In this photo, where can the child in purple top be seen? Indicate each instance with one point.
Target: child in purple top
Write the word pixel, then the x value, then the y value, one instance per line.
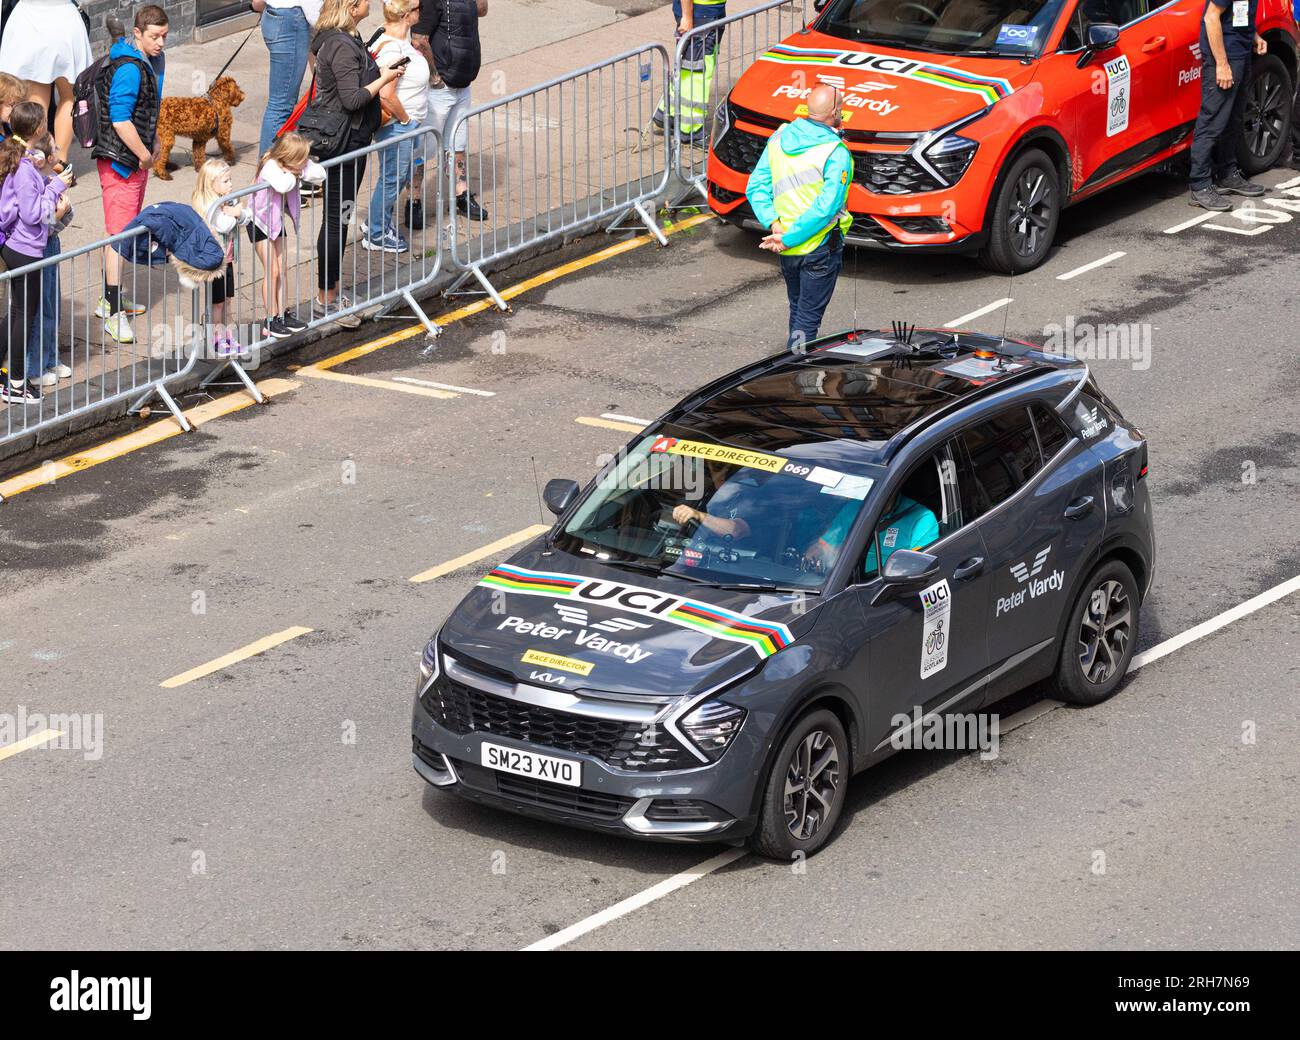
pixel 29 204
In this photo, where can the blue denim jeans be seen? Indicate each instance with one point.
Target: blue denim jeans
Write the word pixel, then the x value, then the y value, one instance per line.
pixel 43 336
pixel 286 33
pixel 394 171
pixel 809 283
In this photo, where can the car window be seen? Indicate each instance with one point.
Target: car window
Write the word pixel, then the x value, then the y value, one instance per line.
pixel 1003 455
pixel 1052 434
pixel 1102 12
pixel 925 508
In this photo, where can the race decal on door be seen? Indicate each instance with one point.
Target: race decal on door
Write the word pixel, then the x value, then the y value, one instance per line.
pixel 936 601
pixel 1117 95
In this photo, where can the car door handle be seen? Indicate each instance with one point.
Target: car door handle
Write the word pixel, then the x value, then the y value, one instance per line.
pixel 1079 508
pixel 969 569
pixel 1156 43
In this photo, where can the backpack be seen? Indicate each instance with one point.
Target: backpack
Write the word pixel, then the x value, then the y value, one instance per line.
pixel 85 102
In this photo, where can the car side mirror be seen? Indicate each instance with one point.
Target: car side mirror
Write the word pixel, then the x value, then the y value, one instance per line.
pixel 559 494
pixel 1101 37
pixel 906 570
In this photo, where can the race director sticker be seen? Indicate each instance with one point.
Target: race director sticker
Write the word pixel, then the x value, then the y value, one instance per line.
pixel 936 601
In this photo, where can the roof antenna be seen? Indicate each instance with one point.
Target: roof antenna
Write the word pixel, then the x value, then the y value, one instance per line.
pixel 903 333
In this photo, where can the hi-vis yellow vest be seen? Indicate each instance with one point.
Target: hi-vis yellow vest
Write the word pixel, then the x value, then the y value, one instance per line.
pixel 797 180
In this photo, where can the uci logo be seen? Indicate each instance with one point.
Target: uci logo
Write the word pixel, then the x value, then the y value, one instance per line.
pixel 933 597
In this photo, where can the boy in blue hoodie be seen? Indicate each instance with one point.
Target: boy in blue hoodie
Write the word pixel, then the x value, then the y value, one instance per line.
pixel 798 190
pixel 126 144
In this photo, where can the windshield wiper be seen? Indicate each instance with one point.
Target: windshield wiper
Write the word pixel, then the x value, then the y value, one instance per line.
pixel 757 586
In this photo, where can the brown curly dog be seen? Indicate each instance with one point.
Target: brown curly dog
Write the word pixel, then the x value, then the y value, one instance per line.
pixel 200 119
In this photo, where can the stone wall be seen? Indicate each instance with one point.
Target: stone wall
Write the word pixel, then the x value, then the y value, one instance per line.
pixel 181 16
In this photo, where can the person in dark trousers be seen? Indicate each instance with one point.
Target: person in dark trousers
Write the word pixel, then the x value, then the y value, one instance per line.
pixel 447 36
pixel 1228 39
pixel 798 190
pixel 347 80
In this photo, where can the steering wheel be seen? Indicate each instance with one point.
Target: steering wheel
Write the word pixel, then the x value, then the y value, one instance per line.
pixel 666 525
pixel 913 6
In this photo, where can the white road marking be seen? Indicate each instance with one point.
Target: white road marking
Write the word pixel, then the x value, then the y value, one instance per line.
pixel 1293 182
pixel 1202 630
pixel 624 418
pixel 978 314
pixel 444 386
pixel 1021 718
pixel 1207 215
pixel 672 884
pixel 1089 267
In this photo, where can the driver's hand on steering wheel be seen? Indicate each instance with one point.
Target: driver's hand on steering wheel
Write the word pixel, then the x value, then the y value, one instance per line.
pixel 684 514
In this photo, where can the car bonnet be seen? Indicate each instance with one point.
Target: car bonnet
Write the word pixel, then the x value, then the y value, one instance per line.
pixel 551 618
pixel 886 89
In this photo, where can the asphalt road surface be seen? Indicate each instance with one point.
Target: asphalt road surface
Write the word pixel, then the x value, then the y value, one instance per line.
pixel 271 802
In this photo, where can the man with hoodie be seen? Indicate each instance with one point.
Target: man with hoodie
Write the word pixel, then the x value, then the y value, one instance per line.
pixel 126 143
pixel 798 191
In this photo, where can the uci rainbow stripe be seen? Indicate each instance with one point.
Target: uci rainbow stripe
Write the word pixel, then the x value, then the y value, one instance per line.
pixel 990 88
pixel 765 637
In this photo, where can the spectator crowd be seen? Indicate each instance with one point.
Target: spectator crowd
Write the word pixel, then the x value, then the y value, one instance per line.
pixel 417 70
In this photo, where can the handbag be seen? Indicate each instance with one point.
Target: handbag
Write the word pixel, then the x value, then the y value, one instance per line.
pixel 326 131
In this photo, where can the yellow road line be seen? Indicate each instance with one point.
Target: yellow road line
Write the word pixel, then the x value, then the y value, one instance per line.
pixel 35 740
pixel 154 433
pixel 235 656
pixel 378 384
pixel 478 306
pixel 478 554
pixel 609 424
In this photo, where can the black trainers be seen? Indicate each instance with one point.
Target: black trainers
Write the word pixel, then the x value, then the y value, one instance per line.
pixel 1208 198
pixel 292 322
pixel 1236 184
pixel 467 206
pixel 20 393
pixel 276 329
pixel 413 215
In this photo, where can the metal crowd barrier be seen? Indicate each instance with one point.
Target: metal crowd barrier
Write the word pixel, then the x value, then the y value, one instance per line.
pixel 708 61
pixel 369 279
pixel 556 159
pixel 68 331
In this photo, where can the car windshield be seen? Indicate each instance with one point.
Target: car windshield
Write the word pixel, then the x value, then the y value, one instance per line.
pixel 720 514
pixel 989 28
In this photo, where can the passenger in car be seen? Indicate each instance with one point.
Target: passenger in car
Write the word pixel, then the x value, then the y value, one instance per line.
pixel 907 525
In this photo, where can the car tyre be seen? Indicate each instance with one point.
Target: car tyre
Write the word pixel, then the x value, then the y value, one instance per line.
pixel 1266 123
pixel 1099 636
pixel 1024 215
pixel 800 821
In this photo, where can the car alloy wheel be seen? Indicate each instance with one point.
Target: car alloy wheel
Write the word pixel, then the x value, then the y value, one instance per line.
pixel 1265 116
pixel 811 781
pixel 1030 214
pixel 1104 632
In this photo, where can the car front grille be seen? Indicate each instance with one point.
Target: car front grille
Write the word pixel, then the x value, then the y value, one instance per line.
pixel 892 173
pixel 462 709
pixel 573 801
pixel 740 150
pixel 723 195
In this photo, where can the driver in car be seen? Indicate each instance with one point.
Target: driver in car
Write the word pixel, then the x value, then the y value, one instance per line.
pixel 724 520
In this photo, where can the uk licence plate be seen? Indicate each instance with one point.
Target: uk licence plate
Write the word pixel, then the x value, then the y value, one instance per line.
pixel 530 764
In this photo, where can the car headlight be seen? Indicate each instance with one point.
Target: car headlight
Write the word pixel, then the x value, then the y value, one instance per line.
pixel 429 666
pixel 712 726
pixel 950 156
pixel 721 120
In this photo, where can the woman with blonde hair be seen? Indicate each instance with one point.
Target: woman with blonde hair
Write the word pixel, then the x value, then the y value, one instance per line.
pixel 12 91
pixel 406 102
pixel 348 83
pixel 284 166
